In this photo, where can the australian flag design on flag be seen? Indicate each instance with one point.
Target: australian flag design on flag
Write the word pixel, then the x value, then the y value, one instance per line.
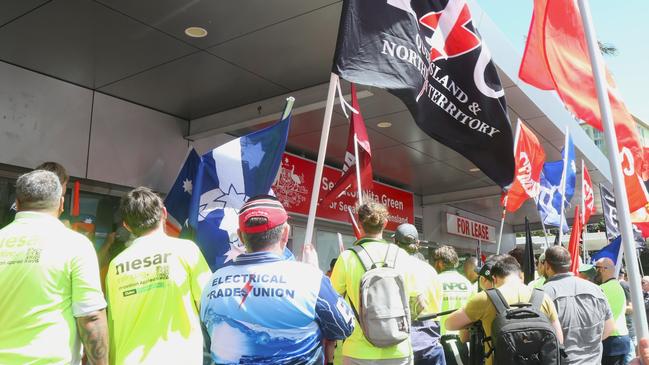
pixel 178 200
pixel 549 199
pixel 228 176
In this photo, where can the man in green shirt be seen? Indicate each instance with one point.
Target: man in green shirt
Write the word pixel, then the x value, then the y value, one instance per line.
pixel 154 288
pixel 456 289
pixel 540 271
pixel 49 275
pixel 618 344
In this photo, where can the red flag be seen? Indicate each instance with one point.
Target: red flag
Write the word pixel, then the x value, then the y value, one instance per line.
pixel 556 58
pixel 172 229
pixel 573 246
pixel 587 195
pixel 348 179
pixel 530 156
pixel 75 199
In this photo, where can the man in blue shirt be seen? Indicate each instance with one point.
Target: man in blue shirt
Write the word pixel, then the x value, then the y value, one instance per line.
pixel 264 309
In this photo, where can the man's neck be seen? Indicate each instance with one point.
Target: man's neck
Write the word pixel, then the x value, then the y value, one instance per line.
pixel 274 249
pixel 378 236
pixel 158 230
pixel 51 213
pixel 550 274
pixel 512 279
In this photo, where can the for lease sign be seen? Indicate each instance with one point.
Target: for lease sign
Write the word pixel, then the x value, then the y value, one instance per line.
pixel 465 227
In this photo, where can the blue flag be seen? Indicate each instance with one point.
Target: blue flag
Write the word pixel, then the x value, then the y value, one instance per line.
pixel 178 200
pixel 549 198
pixel 612 251
pixel 228 176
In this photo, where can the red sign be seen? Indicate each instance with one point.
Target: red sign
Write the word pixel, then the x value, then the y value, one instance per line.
pixel 295 183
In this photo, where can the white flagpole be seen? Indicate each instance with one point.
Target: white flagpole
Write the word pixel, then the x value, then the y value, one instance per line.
pixel 624 216
pixel 502 219
pixel 545 233
pixel 322 152
pixel 583 212
pixel 564 176
pixel 288 107
pixel 359 189
pixel 502 225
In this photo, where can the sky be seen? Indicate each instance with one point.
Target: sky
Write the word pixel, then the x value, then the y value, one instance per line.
pixel 622 23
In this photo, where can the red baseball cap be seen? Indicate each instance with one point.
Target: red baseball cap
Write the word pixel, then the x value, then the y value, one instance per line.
pixel 265 206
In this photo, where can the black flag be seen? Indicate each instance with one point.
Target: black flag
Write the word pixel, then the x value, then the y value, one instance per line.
pixel 610 217
pixel 430 55
pixel 528 255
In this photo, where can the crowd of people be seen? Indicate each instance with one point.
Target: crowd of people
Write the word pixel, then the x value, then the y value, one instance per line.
pixel 381 302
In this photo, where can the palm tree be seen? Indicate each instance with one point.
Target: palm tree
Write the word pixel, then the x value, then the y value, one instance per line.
pixel 607 49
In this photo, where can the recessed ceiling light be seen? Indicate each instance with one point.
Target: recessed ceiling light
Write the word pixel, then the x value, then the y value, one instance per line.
pixel 384 125
pixel 196 32
pixel 474 169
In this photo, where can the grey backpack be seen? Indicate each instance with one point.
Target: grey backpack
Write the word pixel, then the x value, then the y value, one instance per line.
pixel 383 308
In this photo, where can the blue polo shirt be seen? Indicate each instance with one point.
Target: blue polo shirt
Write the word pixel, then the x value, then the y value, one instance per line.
pixel 264 309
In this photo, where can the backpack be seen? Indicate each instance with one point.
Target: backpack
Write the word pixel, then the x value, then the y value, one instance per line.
pixel 383 308
pixel 522 334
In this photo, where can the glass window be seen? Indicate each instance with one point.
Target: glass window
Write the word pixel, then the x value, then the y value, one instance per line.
pixel 328 248
pixel 297 241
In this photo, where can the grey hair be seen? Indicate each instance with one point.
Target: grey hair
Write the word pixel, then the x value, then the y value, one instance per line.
pixel 38 190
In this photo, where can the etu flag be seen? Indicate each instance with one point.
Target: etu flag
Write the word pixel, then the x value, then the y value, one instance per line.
pixel 575 238
pixel 587 194
pixel 550 198
pixel 556 58
pixel 356 141
pixel 227 177
pixel 530 157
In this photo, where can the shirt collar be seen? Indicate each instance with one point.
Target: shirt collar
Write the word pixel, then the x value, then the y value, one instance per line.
pixel 559 277
pixel 158 233
pixel 36 216
pixel 256 258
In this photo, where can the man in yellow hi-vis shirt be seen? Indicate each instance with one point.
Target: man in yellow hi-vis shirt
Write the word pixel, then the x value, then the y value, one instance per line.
pixel 51 297
pixel 456 291
pixel 154 288
pixel 425 334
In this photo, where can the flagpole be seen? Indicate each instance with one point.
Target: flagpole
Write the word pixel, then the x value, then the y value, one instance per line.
pixel 288 107
pixel 502 225
pixel 545 233
pixel 624 216
pixel 359 189
pixel 322 151
pixel 564 176
pixel 502 219
pixel 583 209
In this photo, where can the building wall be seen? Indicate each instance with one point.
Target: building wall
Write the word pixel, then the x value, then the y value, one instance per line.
pixel 95 136
pixel 434 227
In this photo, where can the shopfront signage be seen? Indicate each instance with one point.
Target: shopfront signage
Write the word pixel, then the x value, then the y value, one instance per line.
pixel 295 183
pixel 465 227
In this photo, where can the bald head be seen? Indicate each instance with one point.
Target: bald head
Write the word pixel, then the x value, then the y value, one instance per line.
pixel 605 269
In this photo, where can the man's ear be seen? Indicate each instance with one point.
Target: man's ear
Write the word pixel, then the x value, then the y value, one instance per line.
pixel 286 233
pixel 240 236
pixel 17 205
pixel 164 215
pixel 61 205
pixel 127 227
